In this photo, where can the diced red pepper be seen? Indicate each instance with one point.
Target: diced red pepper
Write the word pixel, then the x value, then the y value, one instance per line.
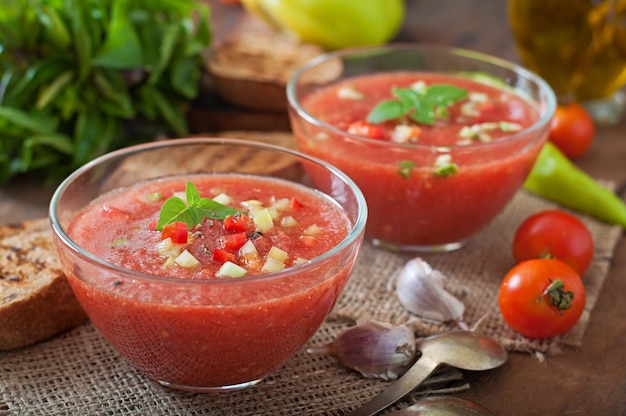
pixel 237 223
pixel 221 255
pixel 295 203
pixel 176 231
pixel 233 242
pixel 363 128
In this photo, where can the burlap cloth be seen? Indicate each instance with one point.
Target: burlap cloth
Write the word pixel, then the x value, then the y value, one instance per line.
pixel 77 373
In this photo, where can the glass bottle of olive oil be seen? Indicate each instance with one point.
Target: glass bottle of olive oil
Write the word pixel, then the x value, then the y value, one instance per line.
pixel 577 46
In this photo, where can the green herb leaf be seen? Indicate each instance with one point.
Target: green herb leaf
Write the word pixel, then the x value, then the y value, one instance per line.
pixel 422 106
pixel 102 73
pixel 194 211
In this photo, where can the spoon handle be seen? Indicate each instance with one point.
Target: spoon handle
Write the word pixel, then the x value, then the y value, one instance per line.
pixel 409 381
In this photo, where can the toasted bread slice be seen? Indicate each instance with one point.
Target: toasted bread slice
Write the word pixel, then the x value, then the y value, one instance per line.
pixel 36 301
pixel 166 161
pixel 252 66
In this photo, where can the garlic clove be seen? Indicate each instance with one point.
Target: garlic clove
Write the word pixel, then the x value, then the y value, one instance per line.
pixel 420 289
pixel 375 349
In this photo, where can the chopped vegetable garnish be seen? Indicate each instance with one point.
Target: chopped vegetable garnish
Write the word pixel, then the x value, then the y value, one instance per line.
pixel 230 269
pixel 192 212
pixel 176 231
pixel 421 106
pixel 263 220
pixel 405 167
pixel 444 166
pixel 349 93
pixel 122 241
pixel 187 260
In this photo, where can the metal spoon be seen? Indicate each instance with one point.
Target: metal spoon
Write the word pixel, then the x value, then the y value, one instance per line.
pixel 443 406
pixel 462 349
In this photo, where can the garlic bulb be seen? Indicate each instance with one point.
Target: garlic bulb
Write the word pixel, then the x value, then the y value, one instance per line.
pixel 420 289
pixel 375 349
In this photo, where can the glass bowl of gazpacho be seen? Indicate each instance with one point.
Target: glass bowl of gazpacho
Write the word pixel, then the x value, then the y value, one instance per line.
pixel 439 139
pixel 207 263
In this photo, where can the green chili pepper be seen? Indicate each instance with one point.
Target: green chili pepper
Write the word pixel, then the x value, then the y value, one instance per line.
pixel 556 178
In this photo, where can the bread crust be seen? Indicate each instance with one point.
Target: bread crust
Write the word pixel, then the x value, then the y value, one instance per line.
pixel 36 301
pixel 251 67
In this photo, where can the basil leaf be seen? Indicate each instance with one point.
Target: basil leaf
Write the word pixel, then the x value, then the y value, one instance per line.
pixel 122 49
pixel 192 194
pixel 33 122
pixel 79 69
pixel 214 210
pixel 386 110
pixel 174 209
pixel 421 106
pixel 194 211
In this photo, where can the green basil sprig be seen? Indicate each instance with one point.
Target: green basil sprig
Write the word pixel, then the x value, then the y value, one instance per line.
pixel 79 78
pixel 421 106
pixel 193 211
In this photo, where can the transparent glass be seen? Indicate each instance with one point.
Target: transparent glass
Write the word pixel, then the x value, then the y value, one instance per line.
pixel 579 49
pixel 206 335
pixel 420 212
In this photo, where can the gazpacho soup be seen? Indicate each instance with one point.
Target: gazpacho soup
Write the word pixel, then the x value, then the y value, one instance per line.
pixel 233 294
pixel 437 156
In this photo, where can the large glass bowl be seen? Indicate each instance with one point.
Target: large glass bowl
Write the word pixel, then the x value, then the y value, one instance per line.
pixel 205 334
pixel 409 207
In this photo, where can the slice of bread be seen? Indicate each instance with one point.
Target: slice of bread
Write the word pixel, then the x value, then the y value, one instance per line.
pixel 166 161
pixel 36 301
pixel 251 67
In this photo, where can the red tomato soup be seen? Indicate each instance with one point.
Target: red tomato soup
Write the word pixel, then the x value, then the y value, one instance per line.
pixel 199 323
pixel 425 184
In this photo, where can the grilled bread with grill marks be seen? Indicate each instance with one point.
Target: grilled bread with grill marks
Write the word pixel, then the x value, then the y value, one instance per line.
pixel 36 301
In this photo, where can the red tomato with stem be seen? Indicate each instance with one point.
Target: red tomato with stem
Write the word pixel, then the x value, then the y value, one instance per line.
pixel 572 130
pixel 554 234
pixel 541 298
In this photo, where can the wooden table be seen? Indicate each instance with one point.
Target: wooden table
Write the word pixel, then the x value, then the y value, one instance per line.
pixel 590 380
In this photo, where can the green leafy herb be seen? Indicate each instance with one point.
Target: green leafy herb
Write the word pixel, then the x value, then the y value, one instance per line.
pixel 422 105
pixel 194 211
pixel 80 78
pixel 405 167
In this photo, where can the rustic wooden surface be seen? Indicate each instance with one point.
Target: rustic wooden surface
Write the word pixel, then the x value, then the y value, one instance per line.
pixel 590 380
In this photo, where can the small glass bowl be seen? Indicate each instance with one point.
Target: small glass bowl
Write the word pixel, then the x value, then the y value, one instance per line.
pixel 421 212
pixel 205 335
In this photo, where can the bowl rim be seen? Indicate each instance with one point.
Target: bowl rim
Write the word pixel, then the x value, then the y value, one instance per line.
pixel 545 114
pixel 355 233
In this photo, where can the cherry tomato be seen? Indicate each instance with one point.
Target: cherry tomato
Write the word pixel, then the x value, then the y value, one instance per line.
pixel 572 130
pixel 554 234
pixel 541 298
